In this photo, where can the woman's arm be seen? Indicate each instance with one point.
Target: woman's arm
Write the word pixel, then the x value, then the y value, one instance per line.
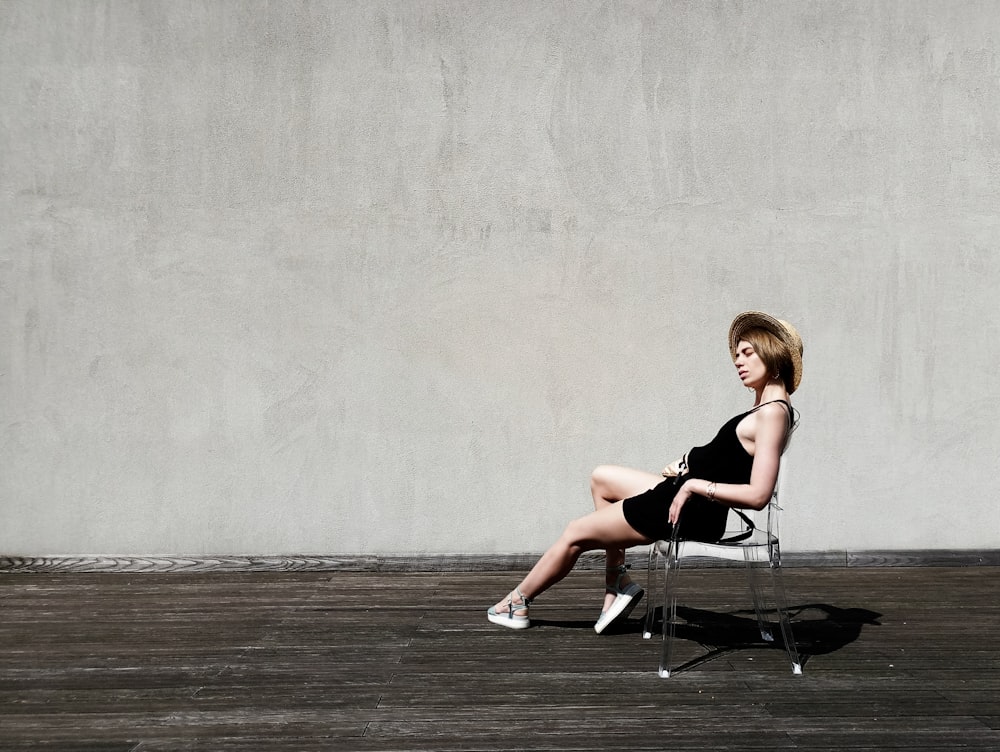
pixel 772 425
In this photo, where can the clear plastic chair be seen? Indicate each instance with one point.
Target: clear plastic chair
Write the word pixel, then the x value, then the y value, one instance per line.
pixel 754 540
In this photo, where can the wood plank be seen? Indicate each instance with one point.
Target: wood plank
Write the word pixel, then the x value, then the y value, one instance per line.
pixel 308 660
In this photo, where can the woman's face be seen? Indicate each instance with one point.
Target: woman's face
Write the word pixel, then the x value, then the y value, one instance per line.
pixel 751 369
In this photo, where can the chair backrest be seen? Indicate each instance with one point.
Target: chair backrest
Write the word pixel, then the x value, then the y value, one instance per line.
pixel 766 520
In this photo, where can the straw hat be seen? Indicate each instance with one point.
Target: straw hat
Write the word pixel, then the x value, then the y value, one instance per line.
pixel 784 331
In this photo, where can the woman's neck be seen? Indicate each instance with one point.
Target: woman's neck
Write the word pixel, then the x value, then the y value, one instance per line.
pixel 773 390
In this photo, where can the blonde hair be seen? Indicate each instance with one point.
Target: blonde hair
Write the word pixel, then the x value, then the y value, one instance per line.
pixel 773 354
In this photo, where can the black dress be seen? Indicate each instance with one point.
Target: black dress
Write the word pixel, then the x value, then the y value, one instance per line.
pixel 722 460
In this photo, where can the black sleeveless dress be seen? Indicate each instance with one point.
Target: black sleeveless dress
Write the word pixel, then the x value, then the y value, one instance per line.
pixel 722 460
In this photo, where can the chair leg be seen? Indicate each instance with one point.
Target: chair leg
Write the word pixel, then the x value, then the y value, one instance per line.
pixel 781 602
pixel 671 571
pixel 753 579
pixel 651 570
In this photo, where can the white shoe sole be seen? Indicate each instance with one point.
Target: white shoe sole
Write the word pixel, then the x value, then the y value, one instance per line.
pixel 620 609
pixel 517 622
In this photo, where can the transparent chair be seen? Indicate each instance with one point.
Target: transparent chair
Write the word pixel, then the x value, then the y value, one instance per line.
pixel 752 540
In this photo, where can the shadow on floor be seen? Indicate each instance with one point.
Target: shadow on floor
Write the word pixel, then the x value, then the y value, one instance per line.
pixel 819 629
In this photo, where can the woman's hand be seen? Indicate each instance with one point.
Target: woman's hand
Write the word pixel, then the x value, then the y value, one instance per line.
pixel 675 468
pixel 680 498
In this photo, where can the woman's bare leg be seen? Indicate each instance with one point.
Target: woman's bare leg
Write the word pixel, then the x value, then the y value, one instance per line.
pixel 610 484
pixel 605 528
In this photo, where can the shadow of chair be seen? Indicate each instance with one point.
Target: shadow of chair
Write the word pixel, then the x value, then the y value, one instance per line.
pixel 820 629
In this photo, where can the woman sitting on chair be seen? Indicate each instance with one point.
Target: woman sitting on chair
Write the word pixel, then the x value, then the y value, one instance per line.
pixel 738 468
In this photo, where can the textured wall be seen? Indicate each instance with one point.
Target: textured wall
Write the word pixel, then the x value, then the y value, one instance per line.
pixel 385 277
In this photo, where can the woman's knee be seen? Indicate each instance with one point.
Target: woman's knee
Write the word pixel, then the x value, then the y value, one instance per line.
pixel 613 482
pixel 580 535
pixel 570 537
pixel 601 479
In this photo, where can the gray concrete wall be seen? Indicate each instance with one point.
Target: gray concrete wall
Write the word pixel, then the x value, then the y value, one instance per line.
pixel 393 276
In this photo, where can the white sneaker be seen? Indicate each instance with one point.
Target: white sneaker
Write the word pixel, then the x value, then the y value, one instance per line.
pixel 626 599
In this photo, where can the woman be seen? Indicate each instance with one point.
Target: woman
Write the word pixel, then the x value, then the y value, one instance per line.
pixel 738 468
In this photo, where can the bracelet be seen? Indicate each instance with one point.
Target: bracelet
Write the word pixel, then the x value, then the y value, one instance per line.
pixel 711 491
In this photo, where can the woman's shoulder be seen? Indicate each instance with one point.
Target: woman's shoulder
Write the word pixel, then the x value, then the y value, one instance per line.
pixel 777 412
pixel 780 405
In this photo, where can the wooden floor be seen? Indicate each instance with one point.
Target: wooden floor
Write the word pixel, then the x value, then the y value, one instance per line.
pixel 903 658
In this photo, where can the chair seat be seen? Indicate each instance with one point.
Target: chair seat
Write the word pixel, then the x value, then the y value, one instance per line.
pixel 741 551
